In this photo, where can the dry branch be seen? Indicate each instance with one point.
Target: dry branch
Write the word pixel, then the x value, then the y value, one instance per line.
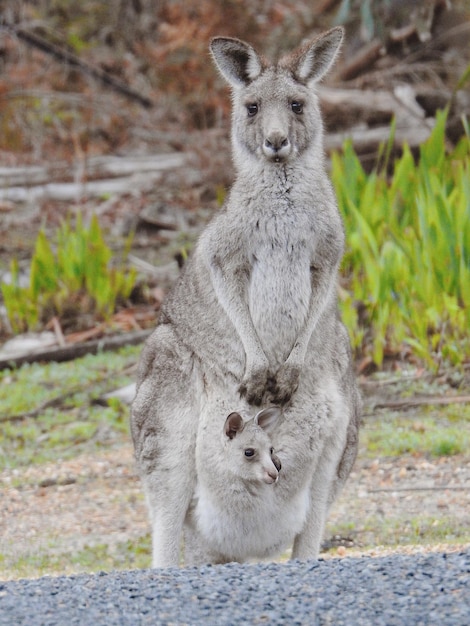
pixel 65 192
pixel 367 107
pixel 408 403
pixel 61 54
pixel 401 103
pixel 53 402
pixel 362 60
pixel 437 488
pixel 59 401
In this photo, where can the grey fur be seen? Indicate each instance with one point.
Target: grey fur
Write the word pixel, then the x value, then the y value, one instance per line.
pixel 253 319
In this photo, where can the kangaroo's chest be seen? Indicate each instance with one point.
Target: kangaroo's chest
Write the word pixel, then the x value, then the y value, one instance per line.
pixel 279 289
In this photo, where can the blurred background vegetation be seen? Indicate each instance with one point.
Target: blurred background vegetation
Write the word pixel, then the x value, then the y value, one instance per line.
pixel 97 78
pixel 159 48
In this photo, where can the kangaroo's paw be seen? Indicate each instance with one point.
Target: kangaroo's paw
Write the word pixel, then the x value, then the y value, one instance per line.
pixel 254 386
pixel 285 384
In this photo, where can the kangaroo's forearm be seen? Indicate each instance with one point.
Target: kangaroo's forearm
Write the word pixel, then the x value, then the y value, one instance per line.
pixel 231 294
pixel 322 291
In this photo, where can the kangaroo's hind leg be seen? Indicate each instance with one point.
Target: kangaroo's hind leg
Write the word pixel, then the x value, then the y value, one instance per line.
pixel 164 425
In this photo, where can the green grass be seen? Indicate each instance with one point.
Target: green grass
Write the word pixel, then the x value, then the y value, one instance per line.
pixel 74 424
pixel 425 430
pixel 395 435
pixel 422 530
pixel 125 555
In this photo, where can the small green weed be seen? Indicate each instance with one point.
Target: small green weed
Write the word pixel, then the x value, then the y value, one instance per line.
pixel 407 266
pixel 77 278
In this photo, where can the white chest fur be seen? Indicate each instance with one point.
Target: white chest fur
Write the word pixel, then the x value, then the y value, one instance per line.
pixel 280 281
pixel 279 296
pixel 244 524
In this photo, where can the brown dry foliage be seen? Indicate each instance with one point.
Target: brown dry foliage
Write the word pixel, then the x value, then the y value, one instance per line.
pixel 160 49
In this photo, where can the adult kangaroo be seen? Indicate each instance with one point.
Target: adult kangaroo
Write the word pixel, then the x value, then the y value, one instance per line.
pixel 253 319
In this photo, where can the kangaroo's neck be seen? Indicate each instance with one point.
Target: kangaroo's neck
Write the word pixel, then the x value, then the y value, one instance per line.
pixel 281 178
pixel 276 182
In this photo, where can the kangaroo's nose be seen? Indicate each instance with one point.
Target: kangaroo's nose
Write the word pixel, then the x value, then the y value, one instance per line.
pixel 276 141
pixel 276 146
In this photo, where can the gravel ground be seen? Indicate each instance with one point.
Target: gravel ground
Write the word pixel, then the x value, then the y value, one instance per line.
pixel 429 589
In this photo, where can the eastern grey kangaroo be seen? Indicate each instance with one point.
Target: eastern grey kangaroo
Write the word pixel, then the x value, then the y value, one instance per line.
pixel 253 318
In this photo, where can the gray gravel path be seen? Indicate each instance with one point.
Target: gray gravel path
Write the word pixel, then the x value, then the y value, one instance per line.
pixel 427 589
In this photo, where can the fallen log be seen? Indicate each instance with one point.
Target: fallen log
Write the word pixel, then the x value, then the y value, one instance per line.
pixel 69 352
pixel 364 117
pixel 368 139
pixel 366 105
pixel 93 167
pixel 73 192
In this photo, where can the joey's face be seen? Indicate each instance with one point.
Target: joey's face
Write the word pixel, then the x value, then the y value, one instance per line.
pixel 259 463
pixel 248 452
pixel 275 118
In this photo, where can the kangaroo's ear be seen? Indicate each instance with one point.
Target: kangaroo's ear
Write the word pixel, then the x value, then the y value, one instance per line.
pixel 311 62
pixel 233 424
pixel 267 418
pixel 236 60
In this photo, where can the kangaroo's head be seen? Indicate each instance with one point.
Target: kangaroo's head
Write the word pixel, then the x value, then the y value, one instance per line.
pixel 276 116
pixel 249 451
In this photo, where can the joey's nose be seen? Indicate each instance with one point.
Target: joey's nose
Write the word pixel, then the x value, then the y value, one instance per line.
pixel 271 476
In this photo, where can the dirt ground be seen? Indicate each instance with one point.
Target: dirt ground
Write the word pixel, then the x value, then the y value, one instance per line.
pixel 95 500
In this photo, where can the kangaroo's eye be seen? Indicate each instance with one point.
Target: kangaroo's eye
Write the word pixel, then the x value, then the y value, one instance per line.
pixel 249 452
pixel 297 107
pixel 271 451
pixel 252 109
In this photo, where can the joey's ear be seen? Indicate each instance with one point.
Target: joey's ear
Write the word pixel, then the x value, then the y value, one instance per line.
pixel 236 60
pixel 233 424
pixel 267 418
pixel 311 62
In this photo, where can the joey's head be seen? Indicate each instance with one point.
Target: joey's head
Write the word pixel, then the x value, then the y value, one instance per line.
pixel 248 448
pixel 276 117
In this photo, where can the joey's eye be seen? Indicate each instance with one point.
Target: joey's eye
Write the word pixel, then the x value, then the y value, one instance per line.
pixel 252 109
pixel 249 452
pixel 271 451
pixel 297 107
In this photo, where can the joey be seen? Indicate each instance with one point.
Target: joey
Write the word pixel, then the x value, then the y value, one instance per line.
pixel 233 514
